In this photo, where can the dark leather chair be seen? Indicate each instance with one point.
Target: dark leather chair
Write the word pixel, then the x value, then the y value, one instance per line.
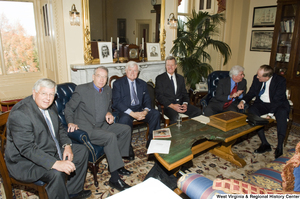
pixel 7 180
pixel 212 82
pixel 64 93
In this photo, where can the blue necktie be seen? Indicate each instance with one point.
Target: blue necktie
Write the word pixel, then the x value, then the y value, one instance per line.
pixel 134 98
pixel 173 84
pixel 262 90
pixel 52 134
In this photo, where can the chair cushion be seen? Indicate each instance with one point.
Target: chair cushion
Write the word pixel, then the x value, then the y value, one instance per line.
pixel 39 183
pixel 231 186
pixel 270 176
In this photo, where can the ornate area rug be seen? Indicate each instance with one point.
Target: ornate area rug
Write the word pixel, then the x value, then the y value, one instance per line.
pixel 205 163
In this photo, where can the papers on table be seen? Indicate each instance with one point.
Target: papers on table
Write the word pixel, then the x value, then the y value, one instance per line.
pixel 159 146
pixel 203 119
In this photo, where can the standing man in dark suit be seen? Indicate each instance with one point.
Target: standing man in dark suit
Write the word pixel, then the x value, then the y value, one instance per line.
pixel 270 92
pixel 38 147
pixel 171 93
pixel 229 93
pixel 90 110
pixel 131 99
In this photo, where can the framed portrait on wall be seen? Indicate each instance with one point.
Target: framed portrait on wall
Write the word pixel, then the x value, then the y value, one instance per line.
pixel 153 51
pixel 261 40
pixel 105 52
pixel 121 28
pixel 264 16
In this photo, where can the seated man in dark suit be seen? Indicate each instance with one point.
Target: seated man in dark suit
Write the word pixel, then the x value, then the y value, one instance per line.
pixel 131 99
pixel 90 110
pixel 270 92
pixel 38 147
pixel 171 92
pixel 229 92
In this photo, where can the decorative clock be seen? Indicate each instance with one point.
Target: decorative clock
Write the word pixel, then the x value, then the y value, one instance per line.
pixel 133 52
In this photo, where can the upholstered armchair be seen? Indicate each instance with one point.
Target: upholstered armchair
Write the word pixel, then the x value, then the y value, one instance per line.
pixel 212 82
pixel 64 93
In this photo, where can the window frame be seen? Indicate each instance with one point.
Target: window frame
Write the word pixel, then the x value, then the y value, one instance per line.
pixel 40 46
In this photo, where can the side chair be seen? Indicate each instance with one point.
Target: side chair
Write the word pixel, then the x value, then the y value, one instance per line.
pixel 212 83
pixel 96 153
pixel 6 106
pixel 7 179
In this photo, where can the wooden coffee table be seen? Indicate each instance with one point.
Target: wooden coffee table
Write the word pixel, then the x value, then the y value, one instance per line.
pixel 183 138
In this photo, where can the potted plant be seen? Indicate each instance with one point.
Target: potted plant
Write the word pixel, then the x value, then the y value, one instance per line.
pixel 193 39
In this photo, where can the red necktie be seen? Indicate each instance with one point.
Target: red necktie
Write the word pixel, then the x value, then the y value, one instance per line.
pixel 100 90
pixel 234 90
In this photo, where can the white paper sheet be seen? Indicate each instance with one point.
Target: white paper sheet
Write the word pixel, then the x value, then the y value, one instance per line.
pixel 159 146
pixel 203 119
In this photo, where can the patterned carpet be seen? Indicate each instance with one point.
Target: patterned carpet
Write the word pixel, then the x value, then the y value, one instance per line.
pixel 204 163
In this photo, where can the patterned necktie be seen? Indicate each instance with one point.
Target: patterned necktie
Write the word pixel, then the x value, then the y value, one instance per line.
pixel 52 134
pixel 173 84
pixel 100 90
pixel 262 90
pixel 134 98
pixel 234 90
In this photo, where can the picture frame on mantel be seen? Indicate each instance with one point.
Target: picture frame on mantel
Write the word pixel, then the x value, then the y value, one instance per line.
pixel 261 40
pixel 153 52
pixel 105 52
pixel 264 16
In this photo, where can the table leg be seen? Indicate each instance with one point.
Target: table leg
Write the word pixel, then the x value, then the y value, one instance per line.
pixel 224 151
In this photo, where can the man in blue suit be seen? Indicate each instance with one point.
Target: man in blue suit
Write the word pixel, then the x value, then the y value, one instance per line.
pixel 132 100
pixel 269 89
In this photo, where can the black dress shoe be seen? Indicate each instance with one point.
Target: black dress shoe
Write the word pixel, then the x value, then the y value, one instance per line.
pixel 120 185
pixel 263 148
pixel 278 153
pixel 81 195
pixel 124 171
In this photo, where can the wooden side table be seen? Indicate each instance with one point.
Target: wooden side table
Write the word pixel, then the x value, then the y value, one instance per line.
pixel 195 98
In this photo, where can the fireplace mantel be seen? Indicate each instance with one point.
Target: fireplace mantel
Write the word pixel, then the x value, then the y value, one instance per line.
pixel 82 73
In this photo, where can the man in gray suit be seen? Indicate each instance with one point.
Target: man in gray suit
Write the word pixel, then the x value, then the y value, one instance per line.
pixel 89 109
pixel 229 93
pixel 38 147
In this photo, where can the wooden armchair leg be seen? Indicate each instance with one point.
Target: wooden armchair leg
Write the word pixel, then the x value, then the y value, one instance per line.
pixel 94 169
pixel 8 190
pixel 42 193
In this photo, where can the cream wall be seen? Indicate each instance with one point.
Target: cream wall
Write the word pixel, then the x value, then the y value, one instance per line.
pixel 73 35
pixel 239 15
pixel 254 59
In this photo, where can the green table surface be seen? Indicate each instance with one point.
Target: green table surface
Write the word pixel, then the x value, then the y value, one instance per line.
pixel 191 131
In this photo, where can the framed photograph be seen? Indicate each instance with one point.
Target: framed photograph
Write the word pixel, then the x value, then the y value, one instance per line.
pixel 153 51
pixel 264 16
pixel 105 52
pixel 261 40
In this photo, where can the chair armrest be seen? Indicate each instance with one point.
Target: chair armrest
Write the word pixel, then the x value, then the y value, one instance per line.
pixel 204 101
pixel 81 137
pixel 197 186
pixel 78 135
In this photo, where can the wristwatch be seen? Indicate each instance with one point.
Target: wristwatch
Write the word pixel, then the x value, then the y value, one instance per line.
pixel 66 145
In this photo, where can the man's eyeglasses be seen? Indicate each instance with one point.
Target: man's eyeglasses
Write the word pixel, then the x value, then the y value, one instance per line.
pixel 52 95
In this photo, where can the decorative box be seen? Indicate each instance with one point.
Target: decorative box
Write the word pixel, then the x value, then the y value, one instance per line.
pixel 228 120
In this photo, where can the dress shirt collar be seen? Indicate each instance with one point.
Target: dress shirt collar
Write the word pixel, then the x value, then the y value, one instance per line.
pixel 97 88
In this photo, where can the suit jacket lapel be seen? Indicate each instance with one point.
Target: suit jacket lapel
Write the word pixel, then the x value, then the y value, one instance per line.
pixel 138 90
pixel 92 98
pixel 40 116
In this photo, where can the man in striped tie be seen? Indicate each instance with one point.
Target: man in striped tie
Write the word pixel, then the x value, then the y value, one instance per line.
pixel 39 149
pixel 230 91
pixel 270 92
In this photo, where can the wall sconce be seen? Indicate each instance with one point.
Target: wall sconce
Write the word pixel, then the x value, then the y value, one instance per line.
pixel 172 22
pixel 74 16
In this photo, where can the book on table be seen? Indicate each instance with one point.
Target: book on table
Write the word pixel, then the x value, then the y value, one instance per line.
pixel 162 133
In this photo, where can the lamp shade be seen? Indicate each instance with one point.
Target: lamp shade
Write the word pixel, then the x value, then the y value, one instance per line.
pixel 74 16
